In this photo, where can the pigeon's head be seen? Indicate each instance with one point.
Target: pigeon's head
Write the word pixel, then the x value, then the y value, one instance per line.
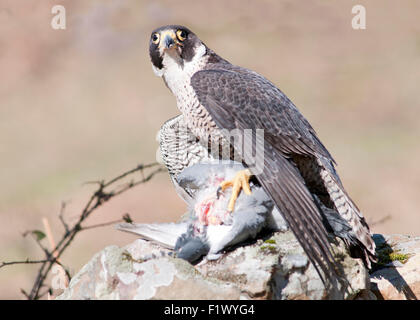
pixel 174 45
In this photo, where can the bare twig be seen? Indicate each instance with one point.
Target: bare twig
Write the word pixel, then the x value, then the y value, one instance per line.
pixel 27 261
pixel 99 197
pixel 38 241
pixel 25 294
pixel 102 224
pixel 61 216
pixel 50 238
pixel 380 221
pixel 48 232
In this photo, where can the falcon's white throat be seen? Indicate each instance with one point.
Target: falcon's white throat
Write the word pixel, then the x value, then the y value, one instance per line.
pixel 177 74
pixel 177 77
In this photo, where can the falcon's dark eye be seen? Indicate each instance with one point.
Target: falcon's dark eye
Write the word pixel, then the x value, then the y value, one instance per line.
pixel 155 38
pixel 181 34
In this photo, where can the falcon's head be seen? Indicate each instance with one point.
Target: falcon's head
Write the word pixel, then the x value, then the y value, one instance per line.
pixel 174 45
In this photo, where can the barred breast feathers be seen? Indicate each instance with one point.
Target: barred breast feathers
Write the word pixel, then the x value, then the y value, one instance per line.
pixel 179 148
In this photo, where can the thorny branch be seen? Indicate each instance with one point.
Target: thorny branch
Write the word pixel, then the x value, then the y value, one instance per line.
pixel 99 197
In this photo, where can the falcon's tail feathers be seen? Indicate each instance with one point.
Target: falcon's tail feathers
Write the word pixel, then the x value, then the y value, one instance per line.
pixel 283 183
pixel 365 246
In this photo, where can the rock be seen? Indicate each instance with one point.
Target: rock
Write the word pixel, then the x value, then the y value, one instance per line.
pixel 276 268
pixel 116 273
pixel 398 277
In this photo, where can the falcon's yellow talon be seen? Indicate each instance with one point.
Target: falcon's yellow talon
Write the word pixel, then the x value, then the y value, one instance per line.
pixel 226 184
pixel 240 181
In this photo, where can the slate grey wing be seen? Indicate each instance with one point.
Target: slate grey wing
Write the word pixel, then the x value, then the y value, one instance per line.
pixel 257 102
pixel 241 99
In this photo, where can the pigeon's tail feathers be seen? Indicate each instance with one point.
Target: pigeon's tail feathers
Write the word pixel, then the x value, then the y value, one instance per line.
pixel 165 234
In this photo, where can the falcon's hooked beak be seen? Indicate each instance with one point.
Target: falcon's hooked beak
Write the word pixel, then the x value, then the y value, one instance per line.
pixel 169 41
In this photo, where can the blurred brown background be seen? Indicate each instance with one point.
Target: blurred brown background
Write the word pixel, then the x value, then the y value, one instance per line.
pixel 83 104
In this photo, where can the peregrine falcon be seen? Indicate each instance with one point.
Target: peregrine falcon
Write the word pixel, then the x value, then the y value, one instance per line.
pixel 215 97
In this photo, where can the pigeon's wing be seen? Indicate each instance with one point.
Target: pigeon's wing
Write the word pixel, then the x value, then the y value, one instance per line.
pixel 241 99
pixel 164 234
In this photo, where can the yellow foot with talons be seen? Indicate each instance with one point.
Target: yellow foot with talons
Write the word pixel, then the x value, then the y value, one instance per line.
pixel 240 181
